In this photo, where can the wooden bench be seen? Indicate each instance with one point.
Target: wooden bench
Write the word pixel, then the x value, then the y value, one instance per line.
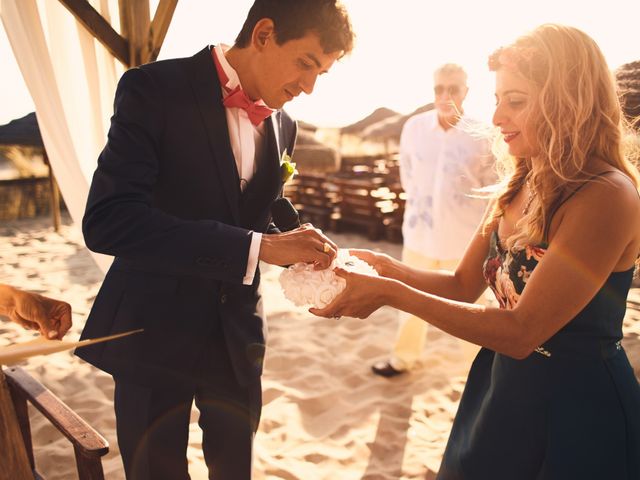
pixel 89 445
pixel 313 199
pixel 362 164
pixel 362 202
pixel 393 223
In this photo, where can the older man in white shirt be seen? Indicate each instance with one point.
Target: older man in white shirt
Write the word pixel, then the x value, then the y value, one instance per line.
pixel 442 164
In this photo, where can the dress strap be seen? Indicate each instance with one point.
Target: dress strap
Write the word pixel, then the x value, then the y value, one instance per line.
pixel 562 202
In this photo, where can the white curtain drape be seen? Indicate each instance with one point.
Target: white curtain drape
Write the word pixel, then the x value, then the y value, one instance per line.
pixel 71 78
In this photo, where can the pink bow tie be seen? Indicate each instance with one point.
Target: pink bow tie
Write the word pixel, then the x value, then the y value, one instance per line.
pixel 238 98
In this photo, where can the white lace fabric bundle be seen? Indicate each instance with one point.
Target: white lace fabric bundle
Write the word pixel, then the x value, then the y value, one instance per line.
pixel 303 285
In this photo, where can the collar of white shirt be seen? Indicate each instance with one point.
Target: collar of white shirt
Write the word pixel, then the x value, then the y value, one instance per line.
pixel 233 80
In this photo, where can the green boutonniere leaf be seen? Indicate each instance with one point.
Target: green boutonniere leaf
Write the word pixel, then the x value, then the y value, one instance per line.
pixel 287 167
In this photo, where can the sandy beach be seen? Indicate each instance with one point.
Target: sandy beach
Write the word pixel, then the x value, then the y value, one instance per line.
pixel 325 415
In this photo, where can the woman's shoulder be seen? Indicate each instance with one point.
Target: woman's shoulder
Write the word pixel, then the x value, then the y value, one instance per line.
pixel 609 188
pixel 603 214
pixel 606 197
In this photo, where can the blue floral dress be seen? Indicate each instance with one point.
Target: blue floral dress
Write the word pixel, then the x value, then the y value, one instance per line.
pixel 570 410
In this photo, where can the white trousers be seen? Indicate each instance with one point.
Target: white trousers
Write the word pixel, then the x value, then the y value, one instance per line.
pixel 412 330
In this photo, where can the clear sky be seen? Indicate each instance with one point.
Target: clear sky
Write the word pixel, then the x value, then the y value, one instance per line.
pixel 399 44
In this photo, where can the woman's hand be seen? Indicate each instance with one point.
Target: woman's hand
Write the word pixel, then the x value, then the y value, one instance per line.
pixel 379 261
pixel 361 296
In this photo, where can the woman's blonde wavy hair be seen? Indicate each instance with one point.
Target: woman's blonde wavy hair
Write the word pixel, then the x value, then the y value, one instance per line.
pixel 577 116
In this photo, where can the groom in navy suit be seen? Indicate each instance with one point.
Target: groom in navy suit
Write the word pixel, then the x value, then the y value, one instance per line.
pixel 181 197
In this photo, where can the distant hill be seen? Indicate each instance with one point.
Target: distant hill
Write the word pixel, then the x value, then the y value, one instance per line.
pixel 376 116
pixel 391 128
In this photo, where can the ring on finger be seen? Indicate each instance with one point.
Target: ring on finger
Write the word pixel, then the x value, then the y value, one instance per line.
pixel 326 248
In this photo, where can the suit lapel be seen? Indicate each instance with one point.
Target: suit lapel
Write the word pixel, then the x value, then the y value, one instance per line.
pixel 206 86
pixel 272 157
pixel 265 184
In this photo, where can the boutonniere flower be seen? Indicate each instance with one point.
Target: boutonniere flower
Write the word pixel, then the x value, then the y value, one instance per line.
pixel 287 167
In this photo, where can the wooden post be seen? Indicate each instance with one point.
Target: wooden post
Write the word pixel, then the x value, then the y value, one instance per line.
pixel 14 463
pixel 160 25
pixel 387 148
pixel 141 38
pixel 55 194
pixel 135 25
pixel 89 468
pixel 340 147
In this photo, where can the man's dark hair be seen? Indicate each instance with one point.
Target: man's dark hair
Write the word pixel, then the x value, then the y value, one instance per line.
pixel 293 19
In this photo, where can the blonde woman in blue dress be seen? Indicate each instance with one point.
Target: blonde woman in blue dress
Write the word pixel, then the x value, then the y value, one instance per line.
pixel 551 394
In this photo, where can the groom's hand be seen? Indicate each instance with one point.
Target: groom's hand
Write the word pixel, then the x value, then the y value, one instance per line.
pixel 304 244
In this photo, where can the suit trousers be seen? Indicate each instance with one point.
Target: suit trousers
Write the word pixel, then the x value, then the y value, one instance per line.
pixel 412 330
pixel 153 423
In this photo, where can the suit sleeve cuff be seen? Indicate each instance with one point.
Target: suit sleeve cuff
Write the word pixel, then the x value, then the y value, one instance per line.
pixel 252 262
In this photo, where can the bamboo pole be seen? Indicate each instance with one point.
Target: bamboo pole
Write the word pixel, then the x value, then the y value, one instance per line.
pixel 55 195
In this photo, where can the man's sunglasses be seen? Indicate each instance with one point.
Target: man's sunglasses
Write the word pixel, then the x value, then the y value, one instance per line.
pixel 450 89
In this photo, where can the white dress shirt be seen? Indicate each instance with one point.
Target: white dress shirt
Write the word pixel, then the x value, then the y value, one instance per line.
pixel 246 139
pixel 439 170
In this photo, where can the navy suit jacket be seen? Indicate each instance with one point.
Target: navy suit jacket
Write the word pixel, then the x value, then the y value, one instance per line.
pixel 165 201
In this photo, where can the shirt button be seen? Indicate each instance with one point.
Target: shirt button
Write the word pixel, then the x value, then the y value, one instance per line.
pixel 223 298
